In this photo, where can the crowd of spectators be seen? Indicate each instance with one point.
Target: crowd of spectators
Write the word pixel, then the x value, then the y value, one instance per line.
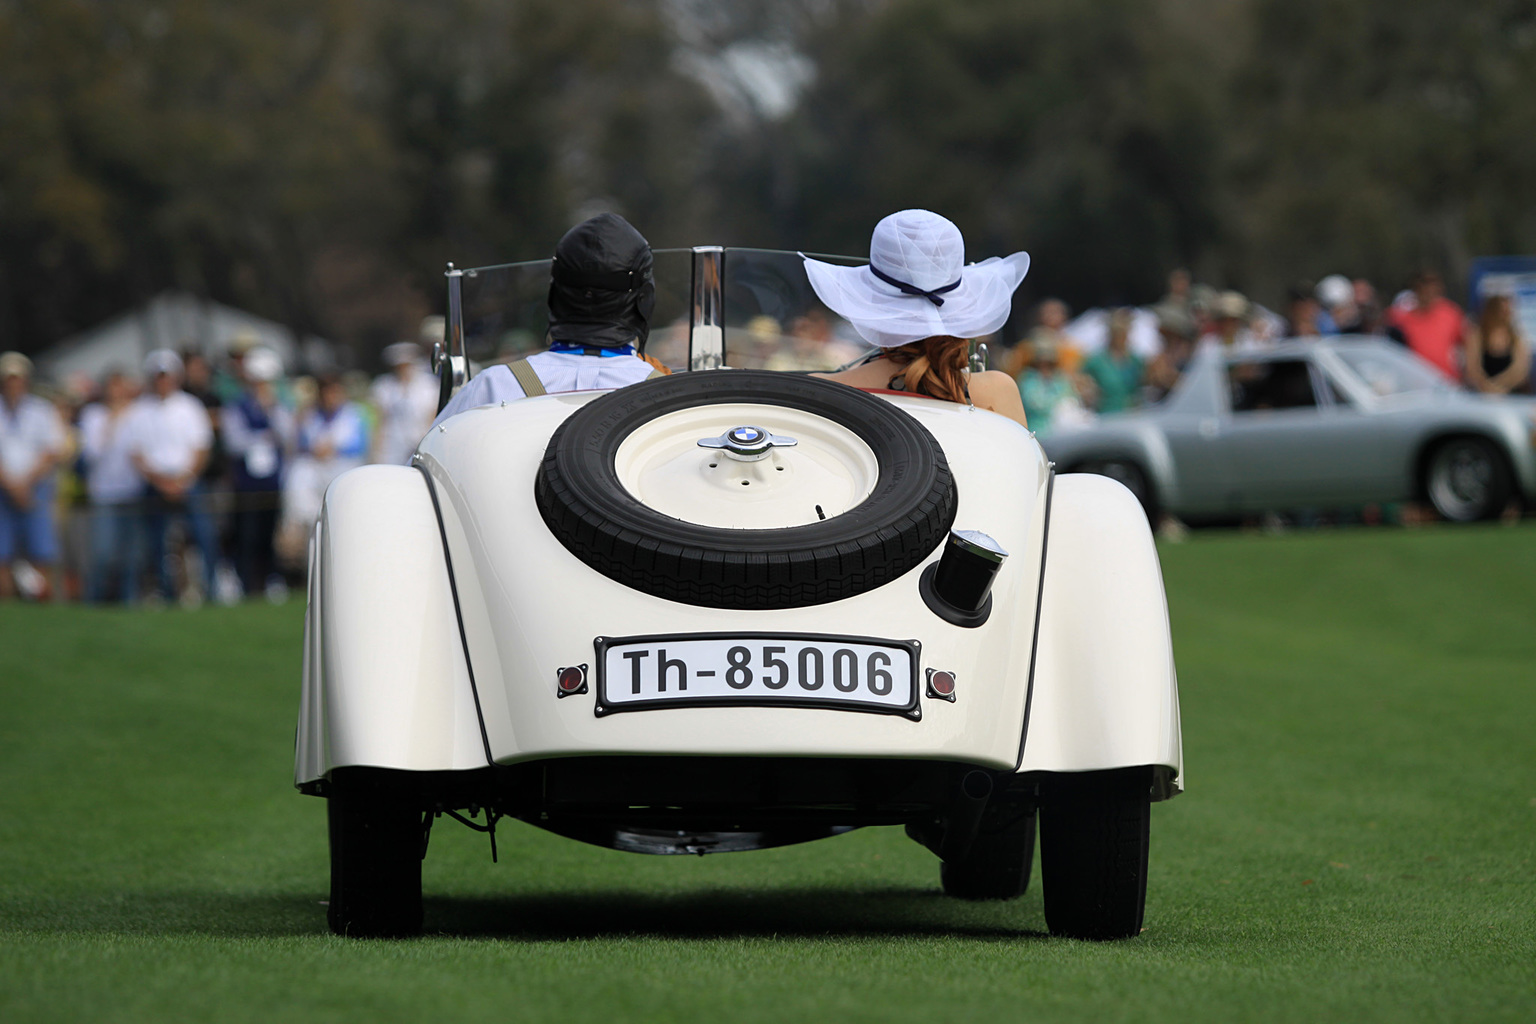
pixel 184 482
pixel 179 482
pixel 1061 385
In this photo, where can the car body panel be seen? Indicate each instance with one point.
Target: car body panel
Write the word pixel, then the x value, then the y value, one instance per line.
pixel 528 608
pixel 384 683
pixel 1106 692
pixel 526 632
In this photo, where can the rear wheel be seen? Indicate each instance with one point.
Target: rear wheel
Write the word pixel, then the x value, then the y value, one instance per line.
pixel 998 863
pixel 376 844
pixel 1094 831
pixel 1467 479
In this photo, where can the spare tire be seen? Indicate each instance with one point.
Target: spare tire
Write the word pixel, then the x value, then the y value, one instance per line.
pixel 906 514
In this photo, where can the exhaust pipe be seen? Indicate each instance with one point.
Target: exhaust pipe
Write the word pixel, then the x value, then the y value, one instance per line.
pixel 963 818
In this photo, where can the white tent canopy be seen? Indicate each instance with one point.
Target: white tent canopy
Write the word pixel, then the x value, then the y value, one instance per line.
pixel 175 320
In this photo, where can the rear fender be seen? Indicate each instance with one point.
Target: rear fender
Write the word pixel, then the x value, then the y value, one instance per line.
pixel 385 682
pixel 1104 693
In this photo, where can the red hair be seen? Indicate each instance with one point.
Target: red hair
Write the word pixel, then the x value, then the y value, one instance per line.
pixel 934 366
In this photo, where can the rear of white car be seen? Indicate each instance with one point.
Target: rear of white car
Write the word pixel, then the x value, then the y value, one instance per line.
pixel 631 619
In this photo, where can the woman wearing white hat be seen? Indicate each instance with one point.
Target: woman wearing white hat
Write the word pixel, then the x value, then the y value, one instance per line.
pixel 921 304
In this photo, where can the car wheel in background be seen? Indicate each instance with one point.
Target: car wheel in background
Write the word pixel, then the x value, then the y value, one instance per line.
pixel 1094 832
pixel 1131 475
pixel 1467 479
pixel 897 495
pixel 376 843
pixel 998 863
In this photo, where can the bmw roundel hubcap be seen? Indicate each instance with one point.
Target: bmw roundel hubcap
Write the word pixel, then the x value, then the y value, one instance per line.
pixel 747 444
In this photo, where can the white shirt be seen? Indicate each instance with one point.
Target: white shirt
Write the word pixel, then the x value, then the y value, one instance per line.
pixel 557 371
pixel 28 434
pixel 405 409
pixel 167 433
pixel 110 477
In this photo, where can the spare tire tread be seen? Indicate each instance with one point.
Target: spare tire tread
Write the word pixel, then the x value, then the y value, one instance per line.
pixel 889 534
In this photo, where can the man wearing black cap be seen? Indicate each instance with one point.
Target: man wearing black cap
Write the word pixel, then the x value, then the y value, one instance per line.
pixel 600 297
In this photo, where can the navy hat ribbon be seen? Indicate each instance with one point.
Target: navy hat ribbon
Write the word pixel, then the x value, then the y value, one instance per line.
pixel 912 289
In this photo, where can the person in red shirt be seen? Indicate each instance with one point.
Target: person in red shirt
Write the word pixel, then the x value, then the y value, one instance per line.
pixel 1432 326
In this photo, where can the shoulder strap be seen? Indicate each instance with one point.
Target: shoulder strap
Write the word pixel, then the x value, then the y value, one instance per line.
pixel 527 379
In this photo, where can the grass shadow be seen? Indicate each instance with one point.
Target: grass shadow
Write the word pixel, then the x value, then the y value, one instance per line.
pixel 783 913
pixel 714 914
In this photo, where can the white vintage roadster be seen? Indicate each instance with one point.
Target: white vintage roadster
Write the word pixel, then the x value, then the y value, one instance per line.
pixel 735 608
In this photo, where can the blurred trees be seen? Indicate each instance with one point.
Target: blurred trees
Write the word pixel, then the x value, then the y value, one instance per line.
pixel 1381 134
pixel 318 161
pixel 144 145
pixel 1083 132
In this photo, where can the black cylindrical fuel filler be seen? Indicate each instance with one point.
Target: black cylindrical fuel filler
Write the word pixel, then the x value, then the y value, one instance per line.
pixel 958 587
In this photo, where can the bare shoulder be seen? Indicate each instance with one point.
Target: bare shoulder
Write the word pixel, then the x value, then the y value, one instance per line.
pixel 996 392
pixel 990 381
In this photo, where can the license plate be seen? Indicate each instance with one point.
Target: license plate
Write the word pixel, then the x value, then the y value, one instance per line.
pixel 851 673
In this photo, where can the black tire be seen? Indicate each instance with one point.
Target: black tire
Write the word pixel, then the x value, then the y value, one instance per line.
pixel 1094 831
pixel 1467 479
pixel 376 843
pixel 902 521
pixel 998 864
pixel 1132 476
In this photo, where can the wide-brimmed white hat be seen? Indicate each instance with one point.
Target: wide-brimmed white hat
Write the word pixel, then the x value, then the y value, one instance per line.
pixel 917 285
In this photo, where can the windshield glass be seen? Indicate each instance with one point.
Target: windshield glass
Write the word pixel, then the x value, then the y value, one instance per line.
pixel 1388 371
pixel 766 314
pixel 773 319
pixel 506 310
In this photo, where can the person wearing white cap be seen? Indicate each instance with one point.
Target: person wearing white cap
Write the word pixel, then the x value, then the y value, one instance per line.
pixel 169 440
pixel 920 303
pixel 258 431
pixel 406 398
pixel 1336 295
pixel 31 441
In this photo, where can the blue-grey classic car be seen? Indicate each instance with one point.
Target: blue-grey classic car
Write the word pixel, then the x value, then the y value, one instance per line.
pixel 1315 423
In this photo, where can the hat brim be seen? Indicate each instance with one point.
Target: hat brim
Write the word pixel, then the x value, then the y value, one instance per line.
pixel 885 316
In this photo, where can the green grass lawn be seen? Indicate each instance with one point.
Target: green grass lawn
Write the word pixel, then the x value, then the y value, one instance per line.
pixel 1357 841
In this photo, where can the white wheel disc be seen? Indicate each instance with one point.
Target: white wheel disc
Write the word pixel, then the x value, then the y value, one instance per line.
pixel 827 472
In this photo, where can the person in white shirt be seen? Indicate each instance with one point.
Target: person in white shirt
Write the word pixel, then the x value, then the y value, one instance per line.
pixel 406 398
pixel 333 438
pixel 170 439
pixel 601 294
pixel 31 442
pixel 114 488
